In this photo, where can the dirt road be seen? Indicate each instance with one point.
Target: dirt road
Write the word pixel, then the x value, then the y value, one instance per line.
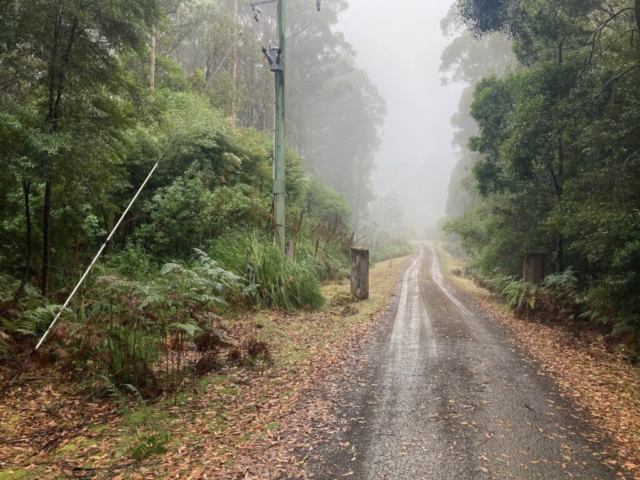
pixel 443 394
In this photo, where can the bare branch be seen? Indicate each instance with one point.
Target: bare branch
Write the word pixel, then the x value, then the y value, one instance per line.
pixel 616 78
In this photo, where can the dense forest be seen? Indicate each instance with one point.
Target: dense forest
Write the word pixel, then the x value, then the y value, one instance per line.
pixel 549 151
pixel 94 94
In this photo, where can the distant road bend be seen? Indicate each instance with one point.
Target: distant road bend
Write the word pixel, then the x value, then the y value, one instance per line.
pixel 444 395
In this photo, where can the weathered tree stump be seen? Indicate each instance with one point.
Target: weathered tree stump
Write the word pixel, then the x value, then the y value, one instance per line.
pixel 360 273
pixel 533 269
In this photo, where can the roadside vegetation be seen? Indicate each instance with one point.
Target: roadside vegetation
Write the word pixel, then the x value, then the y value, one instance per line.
pixel 244 404
pixel 92 96
pixel 191 295
pixel 548 155
pixel 547 137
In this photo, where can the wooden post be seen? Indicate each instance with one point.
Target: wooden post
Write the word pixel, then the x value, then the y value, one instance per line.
pixel 533 268
pixel 360 273
pixel 291 253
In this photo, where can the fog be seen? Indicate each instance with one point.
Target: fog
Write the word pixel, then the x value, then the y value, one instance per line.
pixel 399 44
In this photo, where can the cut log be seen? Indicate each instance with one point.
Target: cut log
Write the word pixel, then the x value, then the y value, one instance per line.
pixel 360 273
pixel 533 269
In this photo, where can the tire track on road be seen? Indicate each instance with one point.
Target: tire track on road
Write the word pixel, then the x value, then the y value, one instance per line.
pixel 443 394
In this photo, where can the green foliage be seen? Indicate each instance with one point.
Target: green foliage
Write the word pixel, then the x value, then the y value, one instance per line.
pixel 395 248
pixel 557 294
pixel 563 285
pixel 468 59
pixel 149 445
pixel 131 262
pixel 520 294
pixel 486 16
pixel 81 129
pixel 272 280
pixel 324 204
pixel 108 129
pixel 27 321
pixel 127 355
pixel 556 163
pixel 185 300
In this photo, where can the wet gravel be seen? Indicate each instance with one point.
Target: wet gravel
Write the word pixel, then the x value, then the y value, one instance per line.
pixel 442 393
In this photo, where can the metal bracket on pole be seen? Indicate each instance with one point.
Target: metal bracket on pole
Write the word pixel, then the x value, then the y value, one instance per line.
pixel 256 8
pixel 275 57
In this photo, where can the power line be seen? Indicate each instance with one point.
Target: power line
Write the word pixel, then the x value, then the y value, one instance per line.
pixel 221 63
pixel 301 31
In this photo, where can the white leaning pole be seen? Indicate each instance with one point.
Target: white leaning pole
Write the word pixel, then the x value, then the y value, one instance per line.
pixel 104 245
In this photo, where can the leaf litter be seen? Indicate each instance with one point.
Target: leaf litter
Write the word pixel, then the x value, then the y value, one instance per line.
pixel 243 422
pixel 602 384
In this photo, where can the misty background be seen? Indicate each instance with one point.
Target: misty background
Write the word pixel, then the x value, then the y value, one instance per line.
pixel 368 128
pixel 399 44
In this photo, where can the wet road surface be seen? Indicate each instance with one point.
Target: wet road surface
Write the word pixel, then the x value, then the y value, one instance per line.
pixel 443 394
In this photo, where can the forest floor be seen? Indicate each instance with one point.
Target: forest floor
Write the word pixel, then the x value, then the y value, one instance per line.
pixel 251 421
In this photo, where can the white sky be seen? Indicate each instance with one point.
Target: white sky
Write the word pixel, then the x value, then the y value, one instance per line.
pixel 399 42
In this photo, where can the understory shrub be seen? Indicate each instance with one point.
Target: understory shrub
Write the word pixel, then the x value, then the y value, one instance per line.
pixel 395 248
pixel 272 280
pixel 127 356
pixel 24 322
pixel 557 295
pixel 128 335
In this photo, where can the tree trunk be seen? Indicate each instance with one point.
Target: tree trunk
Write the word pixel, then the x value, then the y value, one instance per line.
pixel 560 254
pixel 26 188
pixel 234 70
pixel 533 268
pixel 53 120
pixel 560 161
pixel 360 273
pixel 76 255
pixel 46 234
pixel 152 73
pixel 637 5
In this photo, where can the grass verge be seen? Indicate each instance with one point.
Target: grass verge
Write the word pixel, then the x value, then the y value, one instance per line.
pixel 243 422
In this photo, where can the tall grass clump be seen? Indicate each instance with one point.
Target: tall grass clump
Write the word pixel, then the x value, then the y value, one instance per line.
pixel 272 279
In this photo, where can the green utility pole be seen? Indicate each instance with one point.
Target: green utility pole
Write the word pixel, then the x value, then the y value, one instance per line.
pixel 276 58
pixel 279 165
